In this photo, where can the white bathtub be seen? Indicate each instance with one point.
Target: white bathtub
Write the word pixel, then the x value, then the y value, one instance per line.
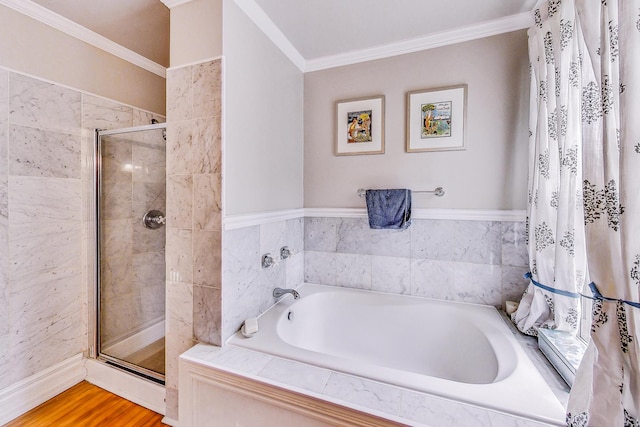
pixel 460 351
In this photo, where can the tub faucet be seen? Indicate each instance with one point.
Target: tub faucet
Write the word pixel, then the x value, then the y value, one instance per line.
pixel 278 292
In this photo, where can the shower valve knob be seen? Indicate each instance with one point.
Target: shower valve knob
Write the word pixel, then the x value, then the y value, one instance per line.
pixel 154 219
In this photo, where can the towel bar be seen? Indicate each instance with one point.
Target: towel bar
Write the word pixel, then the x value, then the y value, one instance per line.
pixel 439 191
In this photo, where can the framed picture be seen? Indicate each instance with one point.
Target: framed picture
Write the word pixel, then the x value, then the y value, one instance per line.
pixel 360 126
pixel 436 119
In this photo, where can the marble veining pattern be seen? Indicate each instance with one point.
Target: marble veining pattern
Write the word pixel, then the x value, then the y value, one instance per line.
pixel 478 242
pixel 46 164
pixel 432 239
pixel 391 274
pixel 472 261
pixel 179 328
pixel 179 148
pixel 363 392
pixel 296 374
pixel 206 151
pixel 395 403
pixel 43 246
pixel 45 199
pixel 180 193
pixel 514 244
pixel 320 234
pixel 37 104
pixel 353 271
pixel 101 113
pixel 37 152
pixel 432 278
pixel 194 207
pixel 207 314
pixel 207 202
pixel 247 287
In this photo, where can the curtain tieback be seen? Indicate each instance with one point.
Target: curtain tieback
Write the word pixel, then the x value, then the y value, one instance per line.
pixel 596 293
pixel 550 289
pixel 598 296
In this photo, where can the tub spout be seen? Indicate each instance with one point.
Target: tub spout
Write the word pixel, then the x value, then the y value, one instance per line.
pixel 278 292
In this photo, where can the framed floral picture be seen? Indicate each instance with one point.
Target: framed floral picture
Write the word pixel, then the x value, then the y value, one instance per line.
pixel 360 126
pixel 436 119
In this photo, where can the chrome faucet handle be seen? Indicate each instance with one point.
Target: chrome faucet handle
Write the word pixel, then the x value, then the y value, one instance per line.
pixel 268 261
pixel 285 252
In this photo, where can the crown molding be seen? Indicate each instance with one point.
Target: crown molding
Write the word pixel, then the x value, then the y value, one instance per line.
pixel 485 29
pixel 174 3
pixel 52 19
pixel 472 32
pixel 262 21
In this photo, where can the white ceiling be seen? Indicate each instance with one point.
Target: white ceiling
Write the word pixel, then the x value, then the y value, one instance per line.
pixel 320 28
pixel 309 31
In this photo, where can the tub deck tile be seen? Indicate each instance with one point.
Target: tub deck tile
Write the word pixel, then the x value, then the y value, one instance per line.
pixel 395 403
pixel 296 374
pixel 366 393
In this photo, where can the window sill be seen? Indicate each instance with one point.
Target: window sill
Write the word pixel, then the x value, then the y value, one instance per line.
pixel 563 350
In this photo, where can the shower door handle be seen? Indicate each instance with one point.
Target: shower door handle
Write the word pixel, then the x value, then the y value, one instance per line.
pixel 154 219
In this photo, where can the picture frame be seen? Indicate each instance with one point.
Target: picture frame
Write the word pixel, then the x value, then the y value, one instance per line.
pixel 436 119
pixel 359 126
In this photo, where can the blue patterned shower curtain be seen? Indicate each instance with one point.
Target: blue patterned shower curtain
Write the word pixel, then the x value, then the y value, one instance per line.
pixel 585 112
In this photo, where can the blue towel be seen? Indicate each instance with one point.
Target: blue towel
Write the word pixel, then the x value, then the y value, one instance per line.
pixel 389 209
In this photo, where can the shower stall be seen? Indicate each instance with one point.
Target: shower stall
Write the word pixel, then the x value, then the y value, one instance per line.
pixel 130 249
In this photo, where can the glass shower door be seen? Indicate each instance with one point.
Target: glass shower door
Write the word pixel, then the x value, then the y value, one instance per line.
pixel 130 249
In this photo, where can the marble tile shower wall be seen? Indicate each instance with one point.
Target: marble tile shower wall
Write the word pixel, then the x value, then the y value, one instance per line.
pixel 45 134
pixel 247 286
pixel 194 211
pixel 471 261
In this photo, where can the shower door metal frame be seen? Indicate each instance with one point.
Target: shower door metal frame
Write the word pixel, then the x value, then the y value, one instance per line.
pixel 113 361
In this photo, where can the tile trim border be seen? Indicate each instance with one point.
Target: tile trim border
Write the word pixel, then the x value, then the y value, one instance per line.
pixel 232 222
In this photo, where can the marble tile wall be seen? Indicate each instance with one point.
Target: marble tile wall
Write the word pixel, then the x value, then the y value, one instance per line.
pixel 247 286
pixel 46 163
pixel 40 217
pixel 471 261
pixel 194 211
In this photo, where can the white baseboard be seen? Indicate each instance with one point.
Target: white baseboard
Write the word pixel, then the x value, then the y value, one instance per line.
pixel 130 345
pixel 30 392
pixel 128 386
pixel 170 422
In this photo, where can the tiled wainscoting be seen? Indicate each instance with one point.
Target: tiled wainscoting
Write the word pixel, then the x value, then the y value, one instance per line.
pixel 475 261
pixel 470 260
pixel 247 287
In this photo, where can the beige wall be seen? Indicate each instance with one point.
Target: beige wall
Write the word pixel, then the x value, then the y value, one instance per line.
pixel 31 47
pixel 489 174
pixel 263 121
pixel 196 32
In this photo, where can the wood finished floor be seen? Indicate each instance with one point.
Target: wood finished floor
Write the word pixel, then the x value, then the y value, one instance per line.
pixel 85 405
